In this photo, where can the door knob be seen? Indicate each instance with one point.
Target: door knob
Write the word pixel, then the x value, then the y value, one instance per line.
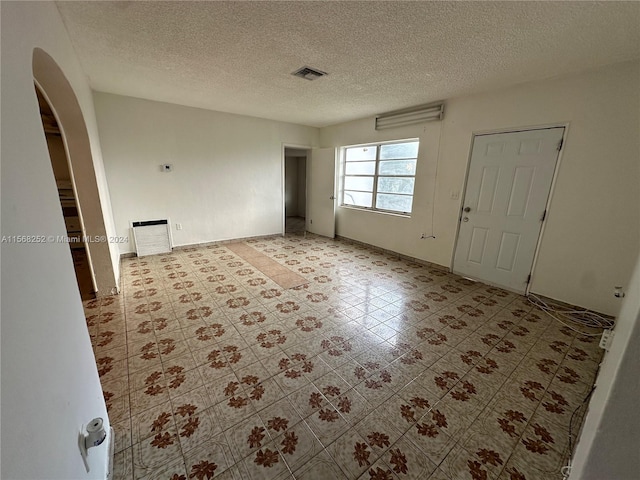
pixel 467 209
pixel 332 197
pixel 465 219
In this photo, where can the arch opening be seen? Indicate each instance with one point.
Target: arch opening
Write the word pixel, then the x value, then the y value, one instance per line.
pixel 59 95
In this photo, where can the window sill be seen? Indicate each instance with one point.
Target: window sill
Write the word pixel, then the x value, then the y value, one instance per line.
pixel 371 210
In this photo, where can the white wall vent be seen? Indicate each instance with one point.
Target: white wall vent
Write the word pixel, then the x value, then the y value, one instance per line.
pixel 410 116
pixel 151 237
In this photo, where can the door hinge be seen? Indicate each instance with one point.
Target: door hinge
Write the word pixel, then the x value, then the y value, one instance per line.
pixel 528 279
pixel 544 215
pixel 560 144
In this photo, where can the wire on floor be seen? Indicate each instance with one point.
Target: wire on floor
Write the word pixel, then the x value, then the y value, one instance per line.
pixel 569 317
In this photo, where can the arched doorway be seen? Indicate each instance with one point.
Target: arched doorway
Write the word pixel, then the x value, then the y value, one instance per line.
pixel 68 199
pixel 56 90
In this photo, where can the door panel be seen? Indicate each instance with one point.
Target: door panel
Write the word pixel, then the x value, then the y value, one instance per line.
pixel 520 192
pixel 487 191
pixel 508 185
pixel 321 171
pixel 507 252
pixel 478 244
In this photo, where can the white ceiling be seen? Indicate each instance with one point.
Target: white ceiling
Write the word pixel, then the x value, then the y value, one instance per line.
pixel 237 56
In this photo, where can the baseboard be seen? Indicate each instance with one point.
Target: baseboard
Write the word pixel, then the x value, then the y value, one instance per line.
pixel 395 254
pixel 226 242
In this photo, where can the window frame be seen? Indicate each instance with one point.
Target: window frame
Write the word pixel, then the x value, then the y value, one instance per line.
pixel 376 176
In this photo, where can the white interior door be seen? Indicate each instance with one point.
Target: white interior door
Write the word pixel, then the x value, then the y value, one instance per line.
pixel 321 172
pixel 507 189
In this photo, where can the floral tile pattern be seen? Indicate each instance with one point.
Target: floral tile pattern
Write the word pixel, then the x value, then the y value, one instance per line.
pixel 300 357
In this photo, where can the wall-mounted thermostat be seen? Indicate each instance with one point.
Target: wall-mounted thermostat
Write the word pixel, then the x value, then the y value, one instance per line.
pixel 167 167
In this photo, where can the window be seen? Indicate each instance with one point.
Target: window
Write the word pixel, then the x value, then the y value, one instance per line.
pixel 380 176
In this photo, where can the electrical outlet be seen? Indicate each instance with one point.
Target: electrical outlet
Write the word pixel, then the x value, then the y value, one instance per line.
pixel 178 226
pixel 607 338
pixel 454 194
pixel 423 235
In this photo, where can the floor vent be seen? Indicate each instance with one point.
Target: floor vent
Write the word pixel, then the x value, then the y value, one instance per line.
pixel 151 237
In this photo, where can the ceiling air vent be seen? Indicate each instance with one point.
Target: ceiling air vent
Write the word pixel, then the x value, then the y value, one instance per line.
pixel 308 73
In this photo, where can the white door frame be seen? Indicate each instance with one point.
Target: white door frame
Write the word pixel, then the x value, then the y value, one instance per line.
pixel 474 134
pixel 308 148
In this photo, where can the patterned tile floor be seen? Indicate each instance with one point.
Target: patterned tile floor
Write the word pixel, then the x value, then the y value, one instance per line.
pixel 378 368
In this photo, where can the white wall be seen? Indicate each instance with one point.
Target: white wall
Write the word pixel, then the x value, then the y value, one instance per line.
pixel 227 177
pixel 609 444
pixel 592 233
pixel 50 384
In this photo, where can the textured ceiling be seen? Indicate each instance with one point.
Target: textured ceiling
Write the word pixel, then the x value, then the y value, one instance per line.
pixel 237 56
